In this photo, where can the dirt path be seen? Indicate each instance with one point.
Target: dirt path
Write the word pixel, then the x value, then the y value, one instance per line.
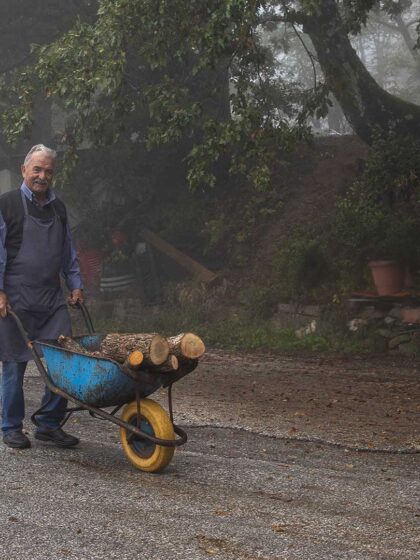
pixel 229 493
pixel 359 402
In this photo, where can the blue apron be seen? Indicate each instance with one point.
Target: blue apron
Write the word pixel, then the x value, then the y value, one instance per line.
pixel 32 285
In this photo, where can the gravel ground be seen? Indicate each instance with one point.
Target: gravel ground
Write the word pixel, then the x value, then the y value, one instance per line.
pixel 360 402
pixel 245 486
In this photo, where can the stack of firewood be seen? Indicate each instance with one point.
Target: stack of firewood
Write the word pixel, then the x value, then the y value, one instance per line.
pixel 145 350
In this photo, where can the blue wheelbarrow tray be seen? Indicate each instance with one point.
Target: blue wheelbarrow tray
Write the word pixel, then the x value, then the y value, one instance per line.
pixel 97 382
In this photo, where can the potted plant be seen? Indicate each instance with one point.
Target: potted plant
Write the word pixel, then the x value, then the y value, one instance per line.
pixel 383 236
pixel 393 251
pixel 378 219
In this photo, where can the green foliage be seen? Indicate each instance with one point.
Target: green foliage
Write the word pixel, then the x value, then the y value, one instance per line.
pixel 200 71
pixel 68 165
pixel 356 13
pixel 380 215
pixel 229 231
pixel 182 219
pixel 231 333
pixel 212 313
pixel 393 166
pixel 258 299
pixel 378 218
pixel 167 64
pixel 167 322
pixel 238 334
pixel 302 267
pixel 374 231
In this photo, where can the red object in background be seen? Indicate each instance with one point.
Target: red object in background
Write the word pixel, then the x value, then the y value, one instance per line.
pixel 118 238
pixel 90 261
pixel 411 315
pixel 388 277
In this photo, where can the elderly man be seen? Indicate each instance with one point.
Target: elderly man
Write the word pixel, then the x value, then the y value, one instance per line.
pixel 35 250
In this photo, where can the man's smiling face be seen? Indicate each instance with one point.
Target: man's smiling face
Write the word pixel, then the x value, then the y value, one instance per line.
pixel 38 173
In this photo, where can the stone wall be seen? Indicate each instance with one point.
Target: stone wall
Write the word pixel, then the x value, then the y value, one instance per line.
pixel 295 316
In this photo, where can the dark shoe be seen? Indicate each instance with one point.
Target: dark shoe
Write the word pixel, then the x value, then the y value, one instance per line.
pixel 56 436
pixel 16 440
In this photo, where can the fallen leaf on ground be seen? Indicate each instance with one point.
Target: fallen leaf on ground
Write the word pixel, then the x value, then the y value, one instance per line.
pixel 278 527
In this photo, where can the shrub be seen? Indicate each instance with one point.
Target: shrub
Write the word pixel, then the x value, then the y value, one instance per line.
pixel 258 300
pixel 302 267
pixel 379 218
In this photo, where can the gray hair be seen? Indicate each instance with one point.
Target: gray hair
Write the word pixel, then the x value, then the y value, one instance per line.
pixel 40 148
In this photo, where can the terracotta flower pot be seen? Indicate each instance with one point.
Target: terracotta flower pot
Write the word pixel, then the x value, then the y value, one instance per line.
pixel 388 277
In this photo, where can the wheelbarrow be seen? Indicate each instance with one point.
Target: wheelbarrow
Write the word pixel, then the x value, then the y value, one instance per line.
pixel 148 433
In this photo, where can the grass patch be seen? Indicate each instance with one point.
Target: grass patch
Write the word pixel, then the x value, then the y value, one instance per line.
pixel 250 336
pixel 233 331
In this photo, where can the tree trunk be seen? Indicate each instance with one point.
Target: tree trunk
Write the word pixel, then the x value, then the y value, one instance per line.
pixel 365 104
pixel 409 41
pixel 154 347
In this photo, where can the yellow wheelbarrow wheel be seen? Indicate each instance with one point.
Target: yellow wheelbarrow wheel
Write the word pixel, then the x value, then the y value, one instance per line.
pixel 141 452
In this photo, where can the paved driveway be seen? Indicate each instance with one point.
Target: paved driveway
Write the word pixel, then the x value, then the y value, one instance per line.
pixel 255 480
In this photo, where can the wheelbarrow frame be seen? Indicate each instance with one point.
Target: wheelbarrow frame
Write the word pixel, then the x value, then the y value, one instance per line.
pixel 97 411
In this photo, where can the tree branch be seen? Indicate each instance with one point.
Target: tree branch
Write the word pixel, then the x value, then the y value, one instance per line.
pixel 311 56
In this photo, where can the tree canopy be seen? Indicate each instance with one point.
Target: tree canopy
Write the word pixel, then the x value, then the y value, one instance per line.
pixel 203 74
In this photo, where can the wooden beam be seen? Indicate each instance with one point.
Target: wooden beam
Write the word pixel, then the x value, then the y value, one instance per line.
pixel 198 270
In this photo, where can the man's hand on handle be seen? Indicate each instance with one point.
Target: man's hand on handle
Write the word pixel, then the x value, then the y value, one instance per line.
pixel 75 297
pixel 4 304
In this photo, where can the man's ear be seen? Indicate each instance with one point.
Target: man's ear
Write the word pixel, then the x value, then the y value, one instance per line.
pixel 22 168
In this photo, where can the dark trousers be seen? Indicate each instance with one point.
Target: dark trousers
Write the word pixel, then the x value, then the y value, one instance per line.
pixel 13 403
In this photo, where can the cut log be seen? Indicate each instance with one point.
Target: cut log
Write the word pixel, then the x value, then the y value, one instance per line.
pixel 186 345
pixel 69 344
pixel 133 362
pixel 155 348
pixel 135 359
pixel 171 364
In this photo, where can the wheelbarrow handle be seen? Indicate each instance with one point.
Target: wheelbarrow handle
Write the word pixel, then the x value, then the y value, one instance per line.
pixel 32 348
pixel 86 316
pixel 81 306
pixel 20 328
pixel 36 355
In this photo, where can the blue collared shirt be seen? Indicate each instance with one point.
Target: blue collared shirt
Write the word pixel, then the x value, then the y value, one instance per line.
pixel 70 269
pixel 50 195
